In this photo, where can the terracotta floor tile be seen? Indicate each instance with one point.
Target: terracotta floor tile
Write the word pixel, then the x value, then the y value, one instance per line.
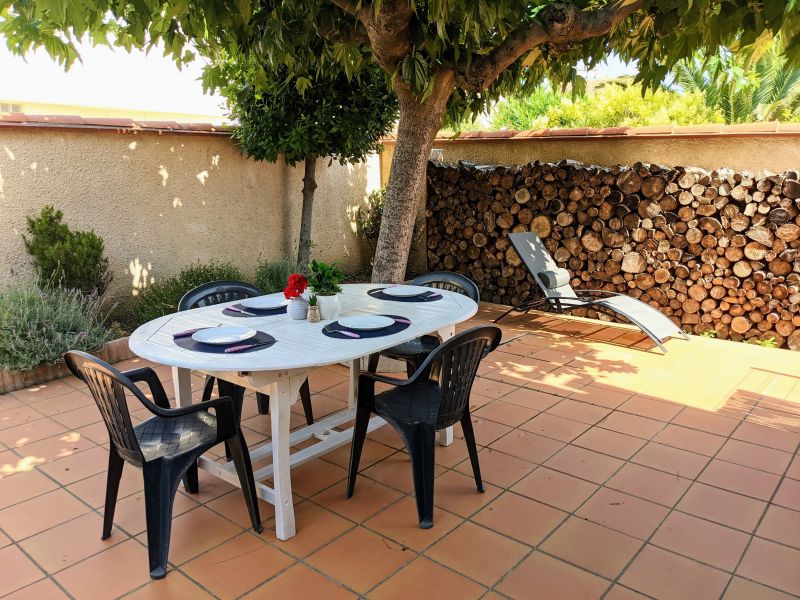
pixel 19 415
pixel 680 463
pixel 300 583
pixel 12 464
pixel 50 389
pixel 44 589
pixel 665 575
pixel 77 466
pixel 794 468
pixel 520 518
pixel 706 542
pixel 742 589
pixel 610 442
pixel 692 440
pixel 92 490
pixel 400 523
pixel 424 578
pixel 486 431
pixel 18 436
pixel 493 389
pixel 553 426
pixel 315 476
pixel 177 585
pixel 624 513
pixel 579 411
pixel 21 486
pixel 237 566
pixel 532 399
pixel 785 418
pixel 556 489
pixel 63 403
pixel 788 494
pixel 757 457
pixel 593 547
pixel 651 408
pixel 584 464
pixel 739 479
pixel 457 493
pixel 79 417
pixel 4 540
pixel 766 435
pixel 540 577
pixel 55 447
pixel 345 559
pixel 322 379
pixel 369 498
pixel 18 570
pixel 394 471
pixel 528 446
pixel 210 487
pixel 618 592
pixel 650 484
pixel 506 413
pixel 772 564
pixel 196 531
pixel 634 425
pixel 64 545
pixel 704 420
pixel 601 396
pixel 498 468
pixel 40 513
pixel 720 506
pixel 233 507
pixel 781 525
pixel 370 454
pixel 497 556
pixel 108 574
pixel 315 527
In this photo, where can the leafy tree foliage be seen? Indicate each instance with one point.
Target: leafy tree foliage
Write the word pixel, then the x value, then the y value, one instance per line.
pixel 444 57
pixel 304 119
pixel 610 105
pixel 744 86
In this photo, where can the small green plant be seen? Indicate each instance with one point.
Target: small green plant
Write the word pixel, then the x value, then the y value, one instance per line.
pixel 162 297
pixel 368 218
pixel 313 300
pixel 271 275
pixel 765 342
pixel 71 259
pixel 325 279
pixel 38 324
pixel 709 333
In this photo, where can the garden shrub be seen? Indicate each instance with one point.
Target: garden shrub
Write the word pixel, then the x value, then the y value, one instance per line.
pixel 162 297
pixel 368 218
pixel 271 275
pixel 71 259
pixel 38 324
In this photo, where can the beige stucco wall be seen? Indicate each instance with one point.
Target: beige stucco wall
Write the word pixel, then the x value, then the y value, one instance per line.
pixel 163 200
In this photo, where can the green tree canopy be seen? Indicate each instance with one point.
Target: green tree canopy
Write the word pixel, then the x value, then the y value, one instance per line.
pixel 444 57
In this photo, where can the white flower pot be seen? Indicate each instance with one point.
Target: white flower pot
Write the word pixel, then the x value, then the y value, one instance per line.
pixel 329 306
pixel 297 309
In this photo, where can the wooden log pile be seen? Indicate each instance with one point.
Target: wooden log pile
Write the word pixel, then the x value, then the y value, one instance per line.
pixel 715 250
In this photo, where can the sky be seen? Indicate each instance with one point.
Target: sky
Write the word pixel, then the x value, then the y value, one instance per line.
pixel 111 78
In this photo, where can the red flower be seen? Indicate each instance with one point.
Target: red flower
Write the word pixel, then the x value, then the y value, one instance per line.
pixel 296 285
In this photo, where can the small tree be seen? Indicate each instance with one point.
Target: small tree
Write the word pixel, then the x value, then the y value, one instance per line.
pixel 304 120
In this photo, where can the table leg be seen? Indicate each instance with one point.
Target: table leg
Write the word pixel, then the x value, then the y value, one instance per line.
pixel 182 380
pixel 352 395
pixel 446 435
pixel 280 403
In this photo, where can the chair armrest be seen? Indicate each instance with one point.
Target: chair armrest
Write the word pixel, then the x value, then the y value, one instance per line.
pixel 606 293
pixel 149 376
pixel 383 379
pixel 223 407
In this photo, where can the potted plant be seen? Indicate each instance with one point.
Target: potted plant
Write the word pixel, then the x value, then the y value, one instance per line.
pixel 295 286
pixel 313 309
pixel 324 280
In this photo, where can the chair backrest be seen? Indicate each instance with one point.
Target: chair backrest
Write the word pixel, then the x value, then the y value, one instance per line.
pixel 537 260
pixel 108 387
pixel 217 292
pixel 451 282
pixel 455 363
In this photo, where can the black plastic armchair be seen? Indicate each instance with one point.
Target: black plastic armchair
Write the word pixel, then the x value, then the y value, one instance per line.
pixel 436 396
pixel 166 446
pixel 217 292
pixel 415 351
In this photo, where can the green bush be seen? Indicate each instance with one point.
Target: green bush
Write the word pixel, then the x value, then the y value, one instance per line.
pixel 271 276
pixel 38 324
pixel 368 218
pixel 71 259
pixel 161 298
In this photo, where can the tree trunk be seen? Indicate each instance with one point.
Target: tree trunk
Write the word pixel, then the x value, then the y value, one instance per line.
pixel 420 120
pixel 309 185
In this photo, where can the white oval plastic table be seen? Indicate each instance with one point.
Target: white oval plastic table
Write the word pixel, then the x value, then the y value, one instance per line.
pixel 280 370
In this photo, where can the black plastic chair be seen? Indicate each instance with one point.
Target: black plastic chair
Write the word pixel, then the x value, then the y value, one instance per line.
pixel 414 352
pixel 166 446
pixel 436 396
pixel 217 292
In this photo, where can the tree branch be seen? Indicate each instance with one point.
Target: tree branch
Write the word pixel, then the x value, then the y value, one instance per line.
pixel 347 6
pixel 561 23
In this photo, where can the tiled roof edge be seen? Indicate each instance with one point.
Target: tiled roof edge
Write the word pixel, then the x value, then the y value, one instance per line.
pixel 114 124
pixel 653 131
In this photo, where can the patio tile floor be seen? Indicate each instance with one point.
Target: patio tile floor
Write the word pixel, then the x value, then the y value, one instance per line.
pixel 611 472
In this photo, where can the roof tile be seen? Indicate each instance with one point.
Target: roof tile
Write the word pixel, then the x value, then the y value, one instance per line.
pixel 569 132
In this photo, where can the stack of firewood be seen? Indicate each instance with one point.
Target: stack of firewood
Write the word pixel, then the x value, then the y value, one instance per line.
pixel 712 250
